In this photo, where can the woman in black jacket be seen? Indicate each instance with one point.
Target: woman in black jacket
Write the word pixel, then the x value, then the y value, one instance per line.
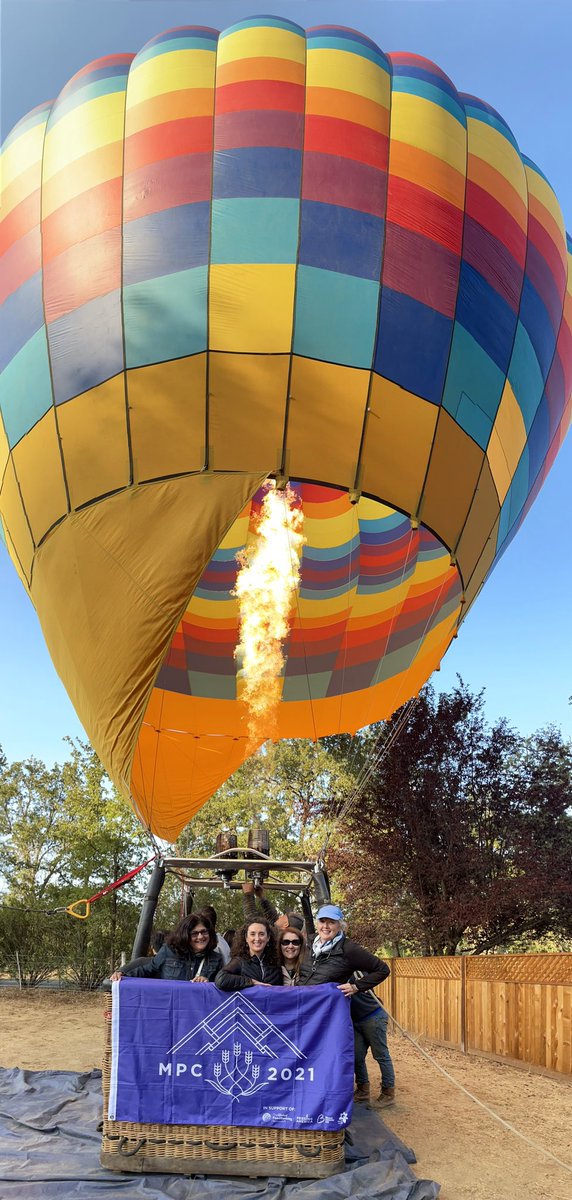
pixel 188 953
pixel 254 959
pixel 333 957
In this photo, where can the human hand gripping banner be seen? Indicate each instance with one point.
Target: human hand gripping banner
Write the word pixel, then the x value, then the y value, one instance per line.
pixel 189 1054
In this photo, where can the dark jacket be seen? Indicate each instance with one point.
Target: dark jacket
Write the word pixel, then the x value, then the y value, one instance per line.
pixel 338 965
pixel 167 964
pixel 365 1004
pixel 242 972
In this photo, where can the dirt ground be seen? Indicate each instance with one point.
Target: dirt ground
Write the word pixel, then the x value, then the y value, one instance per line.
pixel 456 1142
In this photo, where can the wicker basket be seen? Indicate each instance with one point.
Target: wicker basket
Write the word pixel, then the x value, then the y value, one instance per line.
pixel 214 1149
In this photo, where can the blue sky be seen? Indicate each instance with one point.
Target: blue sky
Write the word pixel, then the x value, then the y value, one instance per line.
pixel 515 54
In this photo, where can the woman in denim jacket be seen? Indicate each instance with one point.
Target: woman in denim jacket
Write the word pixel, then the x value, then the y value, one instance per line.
pixel 188 953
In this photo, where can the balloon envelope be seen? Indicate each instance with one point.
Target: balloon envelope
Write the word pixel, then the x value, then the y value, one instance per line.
pixel 255 252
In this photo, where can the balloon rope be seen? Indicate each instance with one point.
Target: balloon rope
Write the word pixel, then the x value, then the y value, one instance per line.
pixel 481 1103
pixel 397 607
pixel 380 749
pixel 406 570
pixel 376 756
pixel 376 748
pixel 157 745
pixel 355 522
pixel 72 909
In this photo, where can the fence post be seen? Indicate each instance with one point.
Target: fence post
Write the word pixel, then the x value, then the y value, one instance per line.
pixel 19 969
pixel 463 1004
pixel 392 988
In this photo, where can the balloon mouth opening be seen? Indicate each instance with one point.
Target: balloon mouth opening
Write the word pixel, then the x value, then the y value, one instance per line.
pixel 353 622
pixel 298 554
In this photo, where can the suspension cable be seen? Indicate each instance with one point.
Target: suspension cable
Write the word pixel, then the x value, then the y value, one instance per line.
pixel 376 757
pixel 481 1103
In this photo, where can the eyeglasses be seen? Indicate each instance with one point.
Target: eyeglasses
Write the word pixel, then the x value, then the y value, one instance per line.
pixel 199 933
pixel 291 942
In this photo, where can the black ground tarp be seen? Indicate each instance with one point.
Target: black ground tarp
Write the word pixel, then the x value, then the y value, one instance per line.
pixel 49 1150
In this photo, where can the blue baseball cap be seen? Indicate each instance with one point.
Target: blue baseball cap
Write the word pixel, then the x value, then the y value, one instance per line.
pixel 330 910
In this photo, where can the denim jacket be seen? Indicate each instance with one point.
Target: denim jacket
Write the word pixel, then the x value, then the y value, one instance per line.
pixel 167 964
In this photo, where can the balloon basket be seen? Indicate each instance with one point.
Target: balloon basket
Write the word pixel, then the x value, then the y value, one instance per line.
pixel 214 1149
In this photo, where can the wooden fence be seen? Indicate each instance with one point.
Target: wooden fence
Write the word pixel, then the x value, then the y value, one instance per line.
pixel 514 1006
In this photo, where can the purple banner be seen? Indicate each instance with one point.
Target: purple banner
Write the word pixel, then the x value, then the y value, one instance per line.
pixel 189 1054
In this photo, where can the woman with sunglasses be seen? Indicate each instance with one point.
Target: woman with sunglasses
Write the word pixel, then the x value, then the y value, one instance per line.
pixel 254 958
pixel 188 953
pixel 291 948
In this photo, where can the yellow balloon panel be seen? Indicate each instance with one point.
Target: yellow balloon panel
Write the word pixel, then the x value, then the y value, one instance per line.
pixel 38 464
pixel 247 402
pixel 94 439
pixel 167 417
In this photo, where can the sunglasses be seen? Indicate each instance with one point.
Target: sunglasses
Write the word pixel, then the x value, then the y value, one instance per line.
pixel 291 942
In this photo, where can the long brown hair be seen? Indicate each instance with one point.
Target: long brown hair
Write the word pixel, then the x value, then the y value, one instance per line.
pixel 240 947
pixel 180 938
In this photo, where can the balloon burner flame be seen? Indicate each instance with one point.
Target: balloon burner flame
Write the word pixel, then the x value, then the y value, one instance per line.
pixel 266 587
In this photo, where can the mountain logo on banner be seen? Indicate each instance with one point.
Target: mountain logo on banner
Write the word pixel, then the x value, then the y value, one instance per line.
pixel 233 1021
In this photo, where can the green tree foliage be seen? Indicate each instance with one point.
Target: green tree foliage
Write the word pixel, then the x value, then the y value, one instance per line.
pixel 105 842
pixel 33 828
pixel 65 834
pixel 455 835
pixel 31 945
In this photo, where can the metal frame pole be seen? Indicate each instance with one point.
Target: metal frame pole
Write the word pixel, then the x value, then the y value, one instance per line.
pixel 143 934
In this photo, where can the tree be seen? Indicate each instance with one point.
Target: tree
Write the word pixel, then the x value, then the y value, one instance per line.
pixel 461 835
pixel 64 834
pixel 105 839
pixel 33 828
pixel 291 788
pixel 542 843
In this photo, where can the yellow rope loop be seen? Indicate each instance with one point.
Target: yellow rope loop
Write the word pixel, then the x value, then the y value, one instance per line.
pixel 81 916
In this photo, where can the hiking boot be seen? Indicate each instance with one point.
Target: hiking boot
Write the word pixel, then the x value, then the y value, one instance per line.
pixel 361 1094
pixel 385 1099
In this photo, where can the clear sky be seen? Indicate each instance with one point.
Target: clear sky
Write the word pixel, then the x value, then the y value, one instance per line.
pixel 515 54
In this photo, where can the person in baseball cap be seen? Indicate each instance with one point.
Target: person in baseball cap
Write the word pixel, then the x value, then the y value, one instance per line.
pixel 334 958
pixel 329 912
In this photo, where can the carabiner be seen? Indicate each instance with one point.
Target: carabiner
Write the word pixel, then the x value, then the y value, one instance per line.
pixel 81 916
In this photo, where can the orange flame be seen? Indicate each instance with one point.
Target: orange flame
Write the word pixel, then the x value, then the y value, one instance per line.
pixel 266 589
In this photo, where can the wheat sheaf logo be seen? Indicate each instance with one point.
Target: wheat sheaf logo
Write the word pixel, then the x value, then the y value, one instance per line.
pixel 236 1076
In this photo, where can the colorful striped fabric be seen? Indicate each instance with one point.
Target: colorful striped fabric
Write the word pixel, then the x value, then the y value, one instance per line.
pixel 372 590
pixel 267 251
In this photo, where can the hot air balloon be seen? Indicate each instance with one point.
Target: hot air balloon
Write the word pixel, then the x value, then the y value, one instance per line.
pixel 267 253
